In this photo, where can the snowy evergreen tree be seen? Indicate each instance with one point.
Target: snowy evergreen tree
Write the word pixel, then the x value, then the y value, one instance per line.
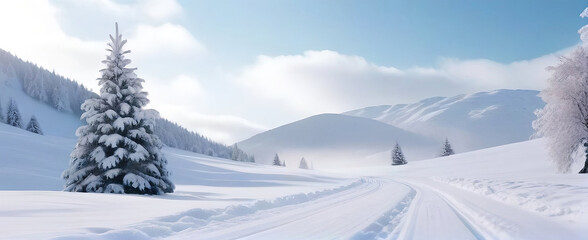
pixel 277 161
pixel 117 151
pixel 13 115
pixel 33 126
pixel 447 150
pixel 564 119
pixel 303 164
pixel 398 156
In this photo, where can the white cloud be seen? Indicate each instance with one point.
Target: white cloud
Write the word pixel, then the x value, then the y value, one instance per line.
pixel 327 81
pixel 161 9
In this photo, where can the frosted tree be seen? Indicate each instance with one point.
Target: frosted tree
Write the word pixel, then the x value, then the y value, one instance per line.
pixel 397 156
pixel 34 126
pixel 13 115
pixel 117 151
pixel 303 164
pixel 277 161
pixel 564 119
pixel 447 150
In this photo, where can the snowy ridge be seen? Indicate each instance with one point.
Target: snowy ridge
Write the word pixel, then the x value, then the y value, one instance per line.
pixel 335 140
pixel 471 122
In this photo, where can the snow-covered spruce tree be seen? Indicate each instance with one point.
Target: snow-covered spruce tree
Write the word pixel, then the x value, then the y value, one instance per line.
pixel 117 151
pixel 303 164
pixel 447 150
pixel 13 115
pixel 398 156
pixel 564 119
pixel 33 126
pixel 277 161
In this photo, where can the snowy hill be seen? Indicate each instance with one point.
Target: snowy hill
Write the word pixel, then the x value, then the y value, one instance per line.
pixel 334 140
pixel 471 122
pixel 52 121
pixel 469 195
pixel 56 101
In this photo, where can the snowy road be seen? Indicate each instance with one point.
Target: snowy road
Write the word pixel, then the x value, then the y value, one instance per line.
pixel 340 215
pixel 417 208
pixel 440 211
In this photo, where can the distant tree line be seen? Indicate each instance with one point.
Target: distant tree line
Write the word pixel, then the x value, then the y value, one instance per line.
pixel 48 87
pixel 176 136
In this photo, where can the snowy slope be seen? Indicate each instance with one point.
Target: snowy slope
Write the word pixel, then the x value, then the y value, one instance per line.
pixel 474 121
pixel 507 192
pixel 334 140
pixel 53 122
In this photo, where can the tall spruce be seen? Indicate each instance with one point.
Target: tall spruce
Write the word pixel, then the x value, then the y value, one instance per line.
pixel 34 126
pixel 447 150
pixel 13 117
pixel 117 151
pixel 397 156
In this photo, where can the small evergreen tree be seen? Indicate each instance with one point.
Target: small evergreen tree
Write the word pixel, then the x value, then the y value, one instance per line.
pixel 117 151
pixel 447 150
pixel 277 161
pixel 398 156
pixel 13 115
pixel 33 126
pixel 235 153
pixel 303 164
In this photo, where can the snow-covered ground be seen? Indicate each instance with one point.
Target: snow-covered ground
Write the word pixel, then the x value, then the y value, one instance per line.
pixel 507 192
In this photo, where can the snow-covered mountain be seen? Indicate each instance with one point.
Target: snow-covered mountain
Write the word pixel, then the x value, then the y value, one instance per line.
pixel 334 137
pixel 471 122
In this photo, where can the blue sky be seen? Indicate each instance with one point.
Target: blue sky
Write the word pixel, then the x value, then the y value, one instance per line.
pixel 230 69
pixel 390 33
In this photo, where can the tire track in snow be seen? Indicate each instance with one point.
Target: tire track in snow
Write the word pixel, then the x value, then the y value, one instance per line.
pixel 388 225
pixel 480 217
pixel 339 216
pixel 199 218
pixel 431 216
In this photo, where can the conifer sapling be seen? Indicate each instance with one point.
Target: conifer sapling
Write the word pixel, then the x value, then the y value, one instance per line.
pixel 34 126
pixel 397 156
pixel 447 150
pixel 13 117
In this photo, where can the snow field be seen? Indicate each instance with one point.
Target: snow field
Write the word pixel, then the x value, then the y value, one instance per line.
pixel 507 192
pixel 548 199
